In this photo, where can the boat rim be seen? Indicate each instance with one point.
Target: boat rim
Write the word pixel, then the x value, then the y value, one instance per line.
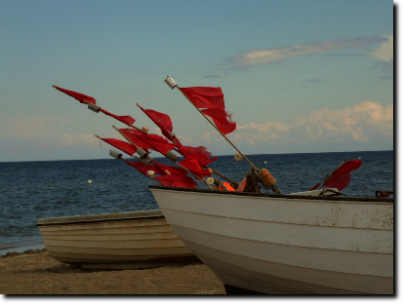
pixel 279 196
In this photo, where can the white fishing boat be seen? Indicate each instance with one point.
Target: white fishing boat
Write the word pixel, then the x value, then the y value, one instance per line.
pixel 286 244
pixel 121 240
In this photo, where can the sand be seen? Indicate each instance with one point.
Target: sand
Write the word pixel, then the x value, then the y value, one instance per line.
pixel 36 272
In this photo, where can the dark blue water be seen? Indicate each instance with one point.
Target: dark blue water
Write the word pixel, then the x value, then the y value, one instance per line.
pixel 33 190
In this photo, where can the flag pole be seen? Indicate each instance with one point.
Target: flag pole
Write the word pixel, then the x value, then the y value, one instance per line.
pixel 173 84
pixel 202 180
pixel 178 150
pixel 112 153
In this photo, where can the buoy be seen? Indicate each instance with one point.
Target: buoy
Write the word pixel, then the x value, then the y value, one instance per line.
pixel 150 173
pixel 227 187
pixel 90 181
pixel 238 157
pixel 144 129
pixel 210 180
pixel 266 178
pixel 265 162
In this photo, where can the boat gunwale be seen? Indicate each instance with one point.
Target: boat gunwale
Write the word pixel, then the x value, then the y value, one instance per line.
pixel 279 196
pixel 83 219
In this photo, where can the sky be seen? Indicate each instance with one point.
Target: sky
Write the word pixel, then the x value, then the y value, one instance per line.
pixel 297 76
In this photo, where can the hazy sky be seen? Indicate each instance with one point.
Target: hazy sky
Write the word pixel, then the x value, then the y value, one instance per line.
pixel 298 76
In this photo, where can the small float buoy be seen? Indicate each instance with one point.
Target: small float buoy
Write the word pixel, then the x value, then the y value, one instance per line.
pixel 90 181
pixel 265 162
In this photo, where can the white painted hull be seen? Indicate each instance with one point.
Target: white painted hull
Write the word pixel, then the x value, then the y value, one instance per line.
pixel 283 244
pixel 126 240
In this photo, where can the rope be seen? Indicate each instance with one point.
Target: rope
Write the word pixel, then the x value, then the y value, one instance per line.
pixel 252 179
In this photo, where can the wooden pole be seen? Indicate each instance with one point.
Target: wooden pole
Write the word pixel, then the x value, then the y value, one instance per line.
pixel 126 153
pixel 177 150
pixel 215 126
pixel 202 180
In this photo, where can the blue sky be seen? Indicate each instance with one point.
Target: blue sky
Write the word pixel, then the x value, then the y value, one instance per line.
pixel 298 76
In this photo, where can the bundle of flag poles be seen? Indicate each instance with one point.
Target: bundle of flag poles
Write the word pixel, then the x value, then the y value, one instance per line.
pixel 209 102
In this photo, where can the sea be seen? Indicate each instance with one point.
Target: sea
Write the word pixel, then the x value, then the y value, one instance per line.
pixel 41 189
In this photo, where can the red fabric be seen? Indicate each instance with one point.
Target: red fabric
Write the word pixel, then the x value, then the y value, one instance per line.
pixel 205 97
pixel 121 145
pixel 149 141
pixel 193 166
pixel 80 97
pixel 221 119
pixel 143 168
pixel 211 102
pixel 163 121
pixel 182 181
pixel 173 170
pixel 201 154
pixel 341 176
pixel 125 119
pixel 227 186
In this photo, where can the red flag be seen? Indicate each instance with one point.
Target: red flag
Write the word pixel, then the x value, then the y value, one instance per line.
pixel 205 97
pixel 171 169
pixel 177 181
pixel 193 166
pixel 80 97
pixel 149 141
pixel 143 168
pixel 201 154
pixel 211 102
pixel 341 176
pixel 121 145
pixel 128 120
pixel 163 121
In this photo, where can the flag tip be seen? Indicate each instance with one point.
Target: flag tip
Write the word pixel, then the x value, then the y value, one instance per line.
pixel 54 86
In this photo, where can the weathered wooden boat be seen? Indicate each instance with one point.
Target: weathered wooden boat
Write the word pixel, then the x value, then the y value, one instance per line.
pixel 286 244
pixel 121 240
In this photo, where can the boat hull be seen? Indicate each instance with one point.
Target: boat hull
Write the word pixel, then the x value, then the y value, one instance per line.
pixel 126 240
pixel 279 244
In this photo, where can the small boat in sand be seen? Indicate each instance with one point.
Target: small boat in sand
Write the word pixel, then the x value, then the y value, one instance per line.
pixel 286 244
pixel 120 240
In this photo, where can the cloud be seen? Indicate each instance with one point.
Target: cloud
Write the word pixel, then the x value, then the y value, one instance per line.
pixel 385 51
pixel 361 123
pixel 385 56
pixel 270 55
pixel 82 139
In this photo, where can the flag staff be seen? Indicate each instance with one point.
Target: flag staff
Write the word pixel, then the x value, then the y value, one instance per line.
pixel 178 150
pixel 200 179
pixel 172 84
pixel 117 155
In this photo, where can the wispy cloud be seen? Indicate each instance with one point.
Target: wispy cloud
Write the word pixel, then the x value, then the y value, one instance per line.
pixel 270 55
pixel 385 56
pixel 361 123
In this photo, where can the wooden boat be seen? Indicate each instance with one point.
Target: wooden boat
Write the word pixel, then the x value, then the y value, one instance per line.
pixel 286 244
pixel 121 240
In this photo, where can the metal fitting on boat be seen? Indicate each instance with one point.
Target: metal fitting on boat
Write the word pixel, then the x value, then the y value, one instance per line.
pixel 144 160
pixel 171 156
pixel 238 157
pixel 144 129
pixel 171 82
pixel 93 107
pixel 266 179
pixel 141 152
pixel 150 173
pixel 115 154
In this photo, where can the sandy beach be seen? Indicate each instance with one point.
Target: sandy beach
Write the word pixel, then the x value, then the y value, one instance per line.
pixel 36 272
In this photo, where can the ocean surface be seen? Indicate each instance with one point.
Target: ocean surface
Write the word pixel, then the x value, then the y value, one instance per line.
pixel 41 189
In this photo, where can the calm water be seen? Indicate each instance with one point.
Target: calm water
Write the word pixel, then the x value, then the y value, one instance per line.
pixel 33 190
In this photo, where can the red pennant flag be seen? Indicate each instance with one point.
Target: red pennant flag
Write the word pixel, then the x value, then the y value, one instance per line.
pixel 80 97
pixel 205 97
pixel 182 181
pixel 171 169
pixel 121 145
pixel 128 120
pixel 201 154
pixel 143 168
pixel 211 102
pixel 149 141
pixel 163 121
pixel 341 176
pixel 193 166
